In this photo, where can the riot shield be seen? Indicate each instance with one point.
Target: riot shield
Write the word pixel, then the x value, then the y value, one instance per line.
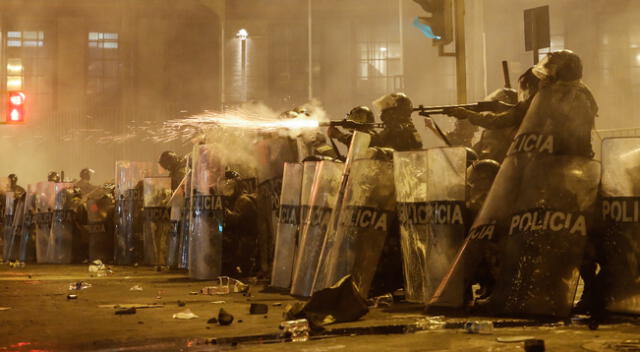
pixel 308 175
pixel 288 225
pixel 27 253
pixel 430 191
pixel 185 221
pixel 97 227
pixel 43 217
pixel 8 231
pixel 359 145
pixel 368 211
pixel 621 224
pixel 156 225
pixel 530 234
pixel 205 244
pixel 320 203
pixel 128 213
pixel 272 152
pixel 177 204
pixel 60 247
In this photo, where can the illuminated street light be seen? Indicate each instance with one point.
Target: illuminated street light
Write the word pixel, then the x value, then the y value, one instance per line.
pixel 242 34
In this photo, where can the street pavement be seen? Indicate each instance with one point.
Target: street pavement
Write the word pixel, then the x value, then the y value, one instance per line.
pixel 36 315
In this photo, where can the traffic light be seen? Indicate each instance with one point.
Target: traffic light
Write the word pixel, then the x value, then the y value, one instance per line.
pixel 439 26
pixel 15 107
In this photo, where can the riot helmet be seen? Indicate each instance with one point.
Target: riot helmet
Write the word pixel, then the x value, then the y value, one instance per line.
pixel 13 180
pixel 53 176
pixel 361 114
pixel 394 108
pixel 289 114
pixel 563 65
pixel 168 160
pixel 85 174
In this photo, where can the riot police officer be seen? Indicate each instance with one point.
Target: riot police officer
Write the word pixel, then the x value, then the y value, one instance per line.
pixel 399 133
pixel 18 191
pixel 84 184
pixel 176 166
pixel 240 239
pixel 360 114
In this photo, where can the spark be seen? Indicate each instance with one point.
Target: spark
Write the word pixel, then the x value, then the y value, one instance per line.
pixel 243 120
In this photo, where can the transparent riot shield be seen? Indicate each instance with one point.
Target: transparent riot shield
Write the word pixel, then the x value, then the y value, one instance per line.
pixel 60 249
pixel 128 213
pixel 205 244
pixel 308 175
pixel 272 152
pixel 358 148
pixel 620 211
pixel 27 253
pixel 368 211
pixel 176 204
pixel 320 204
pixel 8 231
pixel 430 191
pixel 156 225
pixel 99 210
pixel 530 233
pixel 288 225
pixel 43 217
pixel 185 221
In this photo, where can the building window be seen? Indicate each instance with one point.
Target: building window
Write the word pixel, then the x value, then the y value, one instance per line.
pixel 104 69
pixel 27 39
pixel 380 65
pixel 28 67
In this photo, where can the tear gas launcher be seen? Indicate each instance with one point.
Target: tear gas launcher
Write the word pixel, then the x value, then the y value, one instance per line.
pixel 493 106
pixel 358 126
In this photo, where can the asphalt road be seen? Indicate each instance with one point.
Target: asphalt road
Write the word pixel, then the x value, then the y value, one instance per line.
pixel 41 318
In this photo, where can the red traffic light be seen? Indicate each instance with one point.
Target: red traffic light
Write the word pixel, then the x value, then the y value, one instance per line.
pixel 15 107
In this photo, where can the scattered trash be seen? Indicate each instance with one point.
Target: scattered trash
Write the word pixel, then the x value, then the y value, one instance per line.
pixel 158 297
pixel 193 293
pixel 181 304
pixel 510 339
pixel 258 308
pixel 224 318
pixel 277 304
pixel 72 296
pixel 297 330
pixel 185 315
pixel 16 264
pixel 136 288
pixel 381 301
pixel 226 285
pixel 239 320
pixel 218 302
pixel 340 303
pixel 98 267
pixel 80 285
pixel 134 305
pixel 431 323
pixel 534 345
pixel 4 308
pixel 479 327
pixel 212 321
pixel 125 311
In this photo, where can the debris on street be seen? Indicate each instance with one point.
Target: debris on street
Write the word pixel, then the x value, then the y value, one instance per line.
pixel 340 303
pixel 185 315
pixel 224 318
pixel 80 285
